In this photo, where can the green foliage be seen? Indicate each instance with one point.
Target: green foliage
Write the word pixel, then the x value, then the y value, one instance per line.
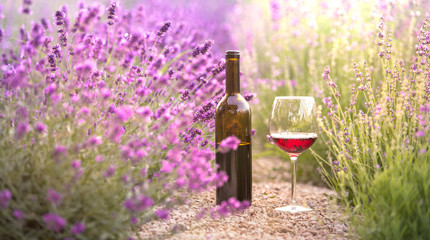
pixel 377 155
pixel 399 205
pixel 285 56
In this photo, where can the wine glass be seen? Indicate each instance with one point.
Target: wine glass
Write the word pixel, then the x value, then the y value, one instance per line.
pixel 293 128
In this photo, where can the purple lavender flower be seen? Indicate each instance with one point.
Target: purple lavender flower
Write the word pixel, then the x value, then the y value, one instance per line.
pixel 425 108
pixel 60 151
pixel 54 197
pixel 206 46
pixel 275 12
pixel 52 62
pixel 196 51
pixel 54 222
pixel 40 127
pixel 144 112
pixel 249 96
pixel 78 228
pixel 219 68
pixel 115 133
pixel 162 213
pixel 185 94
pixel 18 215
pixel 1 34
pixel 112 11
pixel 163 29
pixel 94 141
pixel 56 50
pixel 326 73
pixel 5 196
pixel 21 130
pixel 62 37
pixel 420 134
pixel 85 68
pixel 167 166
pixel 25 9
pixel 232 205
pixel 59 17
pixel 45 24
pixel 110 171
pixel 230 143
pixel 76 164
pixel 327 102
pixel 124 113
pixel 105 93
pixel 269 139
pixel 140 203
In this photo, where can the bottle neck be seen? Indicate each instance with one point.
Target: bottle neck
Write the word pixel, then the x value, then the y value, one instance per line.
pixel 232 75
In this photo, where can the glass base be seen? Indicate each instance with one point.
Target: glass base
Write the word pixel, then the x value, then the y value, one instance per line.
pixel 293 209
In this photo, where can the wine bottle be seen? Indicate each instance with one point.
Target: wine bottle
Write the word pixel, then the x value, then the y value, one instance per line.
pixel 233 117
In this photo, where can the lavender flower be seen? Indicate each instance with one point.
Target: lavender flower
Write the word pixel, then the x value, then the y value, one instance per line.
pixel 59 17
pixel 54 222
pixel 249 96
pixel 40 127
pixel 425 108
pixel 275 13
pixel 163 29
pixel 219 68
pixel 78 228
pixel 110 171
pixel 230 143
pixel 59 151
pixel 21 130
pixel 76 164
pixel 26 7
pixel 108 79
pixel 326 73
pixel 420 134
pixel 56 50
pixel 162 213
pixel 52 62
pixel 18 215
pixel 62 37
pixel 196 51
pixel 45 24
pixel 140 203
pixel 54 197
pixel 124 113
pixel 5 196
pixel 112 11
pixel 232 205
pixel 206 46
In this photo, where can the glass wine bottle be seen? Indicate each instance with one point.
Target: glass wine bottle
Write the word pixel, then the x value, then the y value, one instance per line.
pixel 233 117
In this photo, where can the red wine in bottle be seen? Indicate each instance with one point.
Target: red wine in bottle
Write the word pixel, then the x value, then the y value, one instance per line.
pixel 294 143
pixel 233 117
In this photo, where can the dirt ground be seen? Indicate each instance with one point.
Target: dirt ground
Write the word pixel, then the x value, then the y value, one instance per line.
pixel 271 189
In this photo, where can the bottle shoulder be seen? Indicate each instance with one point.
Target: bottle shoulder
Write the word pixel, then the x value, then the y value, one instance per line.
pixel 235 102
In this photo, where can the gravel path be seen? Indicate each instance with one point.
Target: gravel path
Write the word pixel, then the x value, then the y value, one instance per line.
pixel 261 220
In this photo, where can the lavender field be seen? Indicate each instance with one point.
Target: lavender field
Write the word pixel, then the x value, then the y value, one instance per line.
pixel 107 116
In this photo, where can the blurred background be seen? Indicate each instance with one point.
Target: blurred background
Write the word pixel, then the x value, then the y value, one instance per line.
pixel 285 46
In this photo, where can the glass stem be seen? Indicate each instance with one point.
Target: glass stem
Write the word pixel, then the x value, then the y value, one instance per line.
pixel 293 180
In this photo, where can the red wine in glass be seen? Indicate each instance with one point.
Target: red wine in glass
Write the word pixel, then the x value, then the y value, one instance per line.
pixel 294 143
pixel 293 128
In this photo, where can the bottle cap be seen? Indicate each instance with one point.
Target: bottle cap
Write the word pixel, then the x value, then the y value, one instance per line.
pixel 232 54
